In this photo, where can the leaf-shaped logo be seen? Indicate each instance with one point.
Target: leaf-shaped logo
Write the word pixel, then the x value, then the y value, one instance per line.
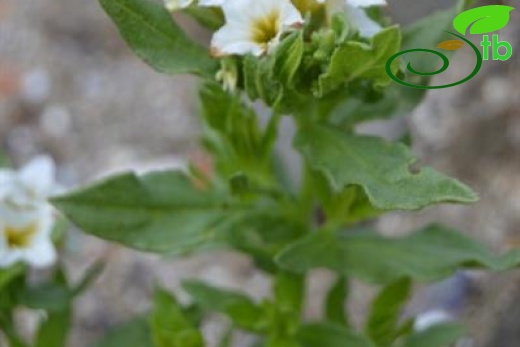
pixel 451 45
pixel 483 20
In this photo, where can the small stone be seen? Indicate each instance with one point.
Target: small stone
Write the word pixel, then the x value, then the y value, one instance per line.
pixel 36 85
pixel 56 121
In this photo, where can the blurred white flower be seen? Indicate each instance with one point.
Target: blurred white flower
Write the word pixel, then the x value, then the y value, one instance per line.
pixel 431 318
pixel 355 11
pixel 254 26
pixel 228 76
pixel 26 218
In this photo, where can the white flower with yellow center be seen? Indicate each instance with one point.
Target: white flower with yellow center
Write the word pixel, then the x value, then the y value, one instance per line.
pixel 355 11
pixel 26 218
pixel 254 26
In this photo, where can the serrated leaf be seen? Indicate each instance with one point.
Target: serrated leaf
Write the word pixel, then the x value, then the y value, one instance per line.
pixel 440 335
pixel 381 168
pixel 451 45
pixel 330 335
pixel 169 327
pixel 152 34
pixel 354 60
pixel 483 19
pixel 431 254
pixel 157 212
pixel 385 314
pixel 242 311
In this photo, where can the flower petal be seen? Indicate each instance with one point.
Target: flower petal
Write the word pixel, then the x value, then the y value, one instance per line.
pixel 42 254
pixel 366 3
pixel 367 26
pixel 38 176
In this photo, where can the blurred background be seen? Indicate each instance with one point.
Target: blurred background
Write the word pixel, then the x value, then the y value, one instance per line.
pixel 71 88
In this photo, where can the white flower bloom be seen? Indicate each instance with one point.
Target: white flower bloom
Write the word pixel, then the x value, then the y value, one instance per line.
pixel 356 13
pixel 27 238
pixel 431 318
pixel 254 26
pixel 26 218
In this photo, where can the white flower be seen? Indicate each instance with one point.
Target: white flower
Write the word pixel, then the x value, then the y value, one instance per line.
pixel 26 218
pixel 431 318
pixel 355 11
pixel 228 76
pixel 254 26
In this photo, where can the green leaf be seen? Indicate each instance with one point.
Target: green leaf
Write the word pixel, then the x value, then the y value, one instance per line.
pixel 354 60
pixel 335 302
pixel 289 291
pixel 56 299
pixel 330 335
pixel 385 314
pixel 157 212
pixel 53 332
pixel 395 101
pixel 440 335
pixel 233 135
pixel 149 30
pixel 10 274
pixel 430 254
pixel 47 296
pixel 347 207
pixel 250 71
pixel 287 58
pixel 135 333
pixel 483 19
pixel 239 308
pixel 263 232
pixel 271 78
pixel 169 326
pixel 382 168
pixel 210 17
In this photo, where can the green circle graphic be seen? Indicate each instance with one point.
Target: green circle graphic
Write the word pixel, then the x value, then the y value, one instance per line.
pixel 445 65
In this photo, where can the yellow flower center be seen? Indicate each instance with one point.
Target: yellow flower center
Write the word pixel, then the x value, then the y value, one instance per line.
pixel 19 237
pixel 266 28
